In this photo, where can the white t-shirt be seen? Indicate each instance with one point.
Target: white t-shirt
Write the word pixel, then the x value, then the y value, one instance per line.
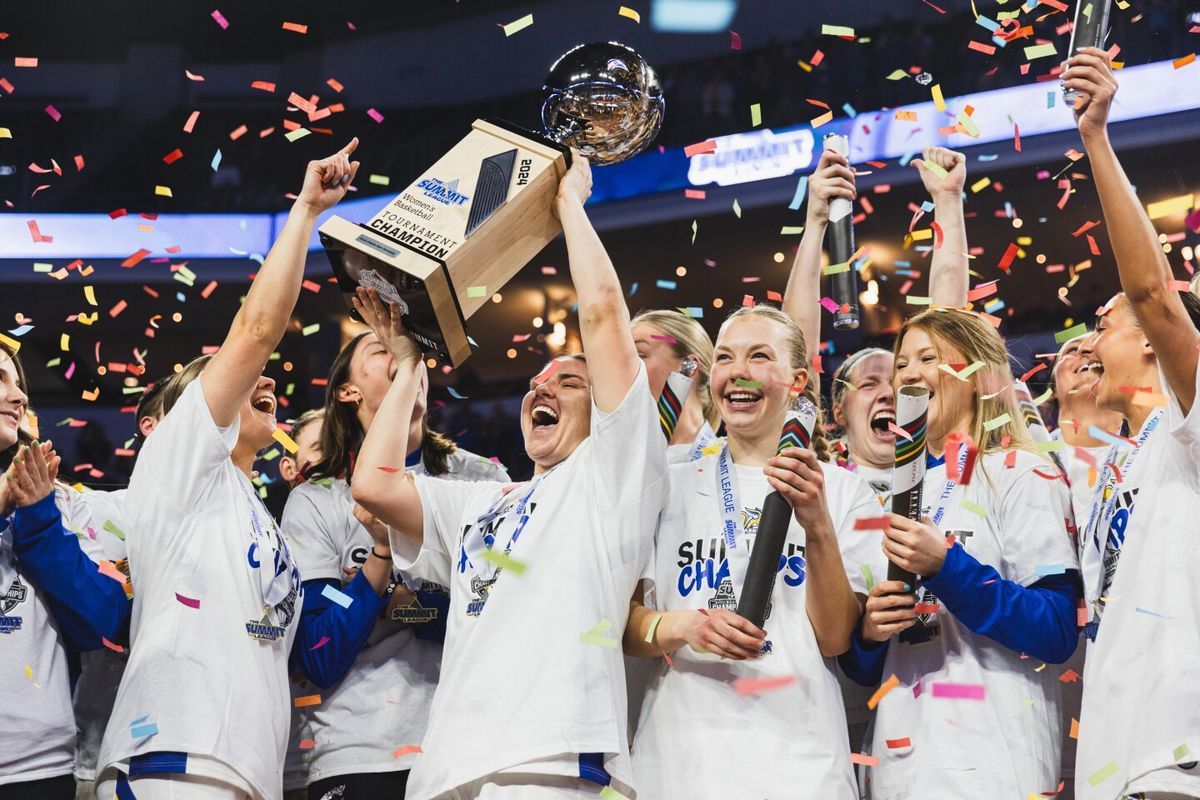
pixel 1008 744
pixel 690 451
pixel 518 684
pixel 698 737
pixel 382 703
pixel 197 531
pixel 880 481
pixel 98 519
pixel 37 737
pixel 1141 702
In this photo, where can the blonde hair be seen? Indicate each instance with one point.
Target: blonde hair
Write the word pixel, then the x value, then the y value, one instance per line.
pixel 175 384
pixel 690 339
pixel 993 382
pixel 798 352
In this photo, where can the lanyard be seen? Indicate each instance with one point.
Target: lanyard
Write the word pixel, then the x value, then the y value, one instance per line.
pixel 943 500
pixel 1102 510
pixel 475 542
pixel 704 438
pixel 274 580
pixel 729 499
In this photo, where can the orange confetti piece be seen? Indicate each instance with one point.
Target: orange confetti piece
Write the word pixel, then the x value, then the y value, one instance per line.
pixel 906 116
pixel 134 259
pixel 881 692
pixel 408 748
pixel 864 759
pixel 1179 63
pixel 700 148
pixel 335 85
pixel 295 26
pixel 761 685
pixel 981 47
pixel 896 743
pixel 265 86
pixel 307 700
pixel 25 62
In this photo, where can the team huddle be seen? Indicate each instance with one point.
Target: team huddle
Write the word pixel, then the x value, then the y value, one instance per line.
pixel 416 625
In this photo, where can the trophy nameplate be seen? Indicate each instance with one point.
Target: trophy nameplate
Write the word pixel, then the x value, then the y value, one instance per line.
pixel 456 235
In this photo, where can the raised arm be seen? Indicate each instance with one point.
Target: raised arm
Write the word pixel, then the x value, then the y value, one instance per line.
pixel 1143 268
pixel 603 316
pixel 802 298
pixel 949 274
pixel 377 486
pixel 259 324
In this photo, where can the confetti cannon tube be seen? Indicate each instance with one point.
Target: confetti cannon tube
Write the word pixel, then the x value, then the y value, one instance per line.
pixel 908 473
pixel 1033 421
pixel 1090 30
pixel 675 394
pixel 844 284
pixel 754 599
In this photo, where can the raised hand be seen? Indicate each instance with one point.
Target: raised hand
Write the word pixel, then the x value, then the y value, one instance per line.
pixel 576 185
pixel 952 162
pixel 833 178
pixel 1089 72
pixel 385 321
pixel 32 473
pixel 327 181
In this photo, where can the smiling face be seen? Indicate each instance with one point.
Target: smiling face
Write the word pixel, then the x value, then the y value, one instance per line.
pixel 1117 354
pixel 866 409
pixel 951 401
pixel 752 376
pixel 257 416
pixel 13 401
pixel 556 414
pixel 658 352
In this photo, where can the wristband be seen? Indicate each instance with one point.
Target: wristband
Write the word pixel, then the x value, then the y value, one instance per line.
pixel 388 557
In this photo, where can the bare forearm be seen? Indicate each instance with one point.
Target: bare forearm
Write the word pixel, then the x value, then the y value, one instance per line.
pixel 802 297
pixel 378 571
pixel 376 486
pixel 595 279
pixel 667 634
pixel 833 608
pixel 949 274
pixel 268 306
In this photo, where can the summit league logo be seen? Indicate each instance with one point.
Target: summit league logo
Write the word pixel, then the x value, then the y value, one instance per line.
pixel 15 595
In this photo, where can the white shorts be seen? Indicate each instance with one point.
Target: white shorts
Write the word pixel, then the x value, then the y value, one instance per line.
pixel 523 786
pixel 173 786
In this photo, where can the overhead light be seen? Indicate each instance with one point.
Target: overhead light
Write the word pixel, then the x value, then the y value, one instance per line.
pixel 692 16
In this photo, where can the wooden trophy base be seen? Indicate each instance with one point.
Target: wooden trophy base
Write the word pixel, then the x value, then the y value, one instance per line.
pixel 457 234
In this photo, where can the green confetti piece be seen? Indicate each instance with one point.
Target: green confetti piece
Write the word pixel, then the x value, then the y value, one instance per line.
pixel 974 508
pixel 1044 396
pixel 1049 447
pixel 41 266
pixel 1070 333
pixel 271 454
pixel 1181 752
pixel 596 635
pixel 609 793
pixel 653 627
pixel 114 530
pixel 695 227
pixel 1104 773
pixel 503 561
pixel 996 422
pixel 518 25
pixel 866 572
pixel 755 115
pixel 1040 51
pixel 834 269
pixel 309 330
pixel 477 291
pixel 791 230
pixel 897 74
pixel 379 180
pixel 748 384
pixel 836 30
pixel 914 300
pixel 737 210
pixel 935 168
pixel 299 133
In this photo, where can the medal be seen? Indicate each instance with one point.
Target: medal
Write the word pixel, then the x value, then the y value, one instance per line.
pixel 262 629
pixel 414 613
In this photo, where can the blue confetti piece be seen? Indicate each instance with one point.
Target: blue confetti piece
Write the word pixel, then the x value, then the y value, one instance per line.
pixel 633 289
pixel 927 206
pixel 665 284
pixel 902 263
pixel 144 730
pixel 454 393
pixel 1050 99
pixel 1049 569
pixel 904 159
pixel 21 331
pixel 801 193
pixel 695 312
pixel 181 297
pixel 849 109
pixel 991 25
pixel 341 598
pixel 216 161
pixel 1141 610
pixel 991 157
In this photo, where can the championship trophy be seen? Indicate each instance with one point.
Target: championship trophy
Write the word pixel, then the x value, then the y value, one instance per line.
pixel 459 232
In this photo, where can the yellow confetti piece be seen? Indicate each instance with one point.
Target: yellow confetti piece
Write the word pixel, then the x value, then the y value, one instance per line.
pixel 939 102
pixel 934 167
pixel 963 374
pixel 89 294
pixel 1164 208
pixel 477 291
pixel 299 133
pixel 29 672
pixel 1181 752
pixel 884 688
pixel 834 269
pixel 163 191
pixel 974 508
pixel 309 330
pixel 897 74
pixel 737 209
pixel 379 180
pixel 10 343
pixel 289 444
pixel 921 234
pixel 1104 773
pixel 836 30
pixel 791 230
pixel 518 25
pixel 1051 446
pixel 1149 399
pixel 5 133
pixel 628 12
pixel 1040 51
pixel 981 184
pixel 504 561
pixel 755 115
pixel 996 422
pixel 609 793
pixel 653 627
pixel 64 342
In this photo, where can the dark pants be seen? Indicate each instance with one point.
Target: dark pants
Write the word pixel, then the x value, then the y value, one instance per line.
pixel 368 786
pixel 60 788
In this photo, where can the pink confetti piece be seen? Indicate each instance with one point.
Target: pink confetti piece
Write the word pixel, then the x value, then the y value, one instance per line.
pixel 307 744
pixel 324 641
pixel 375 115
pixel 700 148
pixel 187 601
pixel 191 76
pixel 28 63
pixel 219 18
pixel 406 750
pixel 53 113
pixel 761 685
pixel 735 40
pixel 960 691
pixel 190 125
pixel 864 759
pixel 896 429
pixel 829 304
pixel 79 163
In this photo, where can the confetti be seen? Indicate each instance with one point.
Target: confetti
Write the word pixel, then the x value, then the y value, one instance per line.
pixel 800 193
pixel 1040 51
pixel 959 691
pixel 755 115
pixel 163 191
pixel 324 640
pixel 173 156
pixel 1070 333
pixel 1104 773
pixel 53 113
pixel 140 729
pixel 762 685
pixel 609 793
pixel 747 384
pixel 1050 569
pixel 881 692
pixel 504 561
pixel 836 30
pixel 700 148
pixel 595 635
pixel 894 744
pixel 408 749
pixel 187 601
pixel 25 62
pixel 974 508
pixel 864 759
pixel 939 102
pixel 1175 205
pixel 288 442
pixel 455 393
pixel 299 133
pixel 735 40
pixel 307 700
pixel 375 115
pixel 629 13
pixel 872 523
pixel 296 27
pixel 219 18
pixel 341 598
pixel 477 291
pixel 518 25
pixel 1179 63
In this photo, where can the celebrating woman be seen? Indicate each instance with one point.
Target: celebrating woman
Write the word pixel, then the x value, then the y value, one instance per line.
pixel 999 579
pixel 531 702
pixel 356 736
pixel 795 736
pixel 1138 734
pixel 203 704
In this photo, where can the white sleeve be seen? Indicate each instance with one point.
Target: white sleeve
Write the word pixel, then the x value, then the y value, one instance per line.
pixel 309 533
pixel 628 450
pixel 860 548
pixel 180 458
pixel 1032 513
pixel 443 506
pixel 1186 427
